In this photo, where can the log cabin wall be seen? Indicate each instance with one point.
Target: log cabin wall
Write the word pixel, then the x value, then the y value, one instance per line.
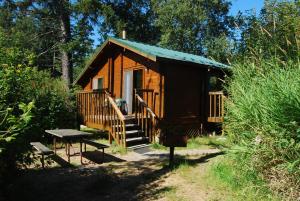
pixel 186 92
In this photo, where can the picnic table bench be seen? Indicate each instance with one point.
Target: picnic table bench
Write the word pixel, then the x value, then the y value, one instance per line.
pixel 41 150
pixel 94 144
pixel 68 136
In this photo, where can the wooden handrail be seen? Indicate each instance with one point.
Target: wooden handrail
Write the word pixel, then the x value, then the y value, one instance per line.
pixel 116 108
pixel 144 104
pixel 97 107
pixel 145 117
pixel 116 122
pixel 216 106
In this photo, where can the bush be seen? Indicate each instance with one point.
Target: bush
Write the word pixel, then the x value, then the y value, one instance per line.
pixel 263 120
pixel 54 107
pixel 13 139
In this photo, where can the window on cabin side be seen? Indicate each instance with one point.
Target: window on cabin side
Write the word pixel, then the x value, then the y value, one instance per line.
pixel 97 83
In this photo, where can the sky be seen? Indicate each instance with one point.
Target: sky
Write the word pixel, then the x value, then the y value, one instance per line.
pixel 237 5
pixel 244 5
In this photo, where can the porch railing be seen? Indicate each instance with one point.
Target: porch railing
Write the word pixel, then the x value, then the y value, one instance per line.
pixel 216 107
pixel 91 107
pixel 145 118
pixel 116 122
pixel 99 110
pixel 148 95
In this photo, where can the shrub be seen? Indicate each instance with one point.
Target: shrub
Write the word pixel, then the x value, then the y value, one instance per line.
pixel 13 139
pixel 54 104
pixel 263 119
pixel 54 107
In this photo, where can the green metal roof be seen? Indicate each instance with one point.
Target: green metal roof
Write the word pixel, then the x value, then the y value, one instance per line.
pixel 153 53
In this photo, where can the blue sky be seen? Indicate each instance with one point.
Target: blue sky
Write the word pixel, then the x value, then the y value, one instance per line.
pixel 237 5
pixel 244 5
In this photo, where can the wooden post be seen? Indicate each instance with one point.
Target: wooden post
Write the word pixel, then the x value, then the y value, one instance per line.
pixel 42 160
pixel 81 151
pixel 68 148
pixel 171 157
pixel 54 144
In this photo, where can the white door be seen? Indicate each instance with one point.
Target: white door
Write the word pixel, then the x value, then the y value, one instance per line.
pixel 128 89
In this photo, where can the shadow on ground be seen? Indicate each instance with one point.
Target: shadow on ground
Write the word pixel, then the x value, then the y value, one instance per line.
pixel 121 180
pixel 98 157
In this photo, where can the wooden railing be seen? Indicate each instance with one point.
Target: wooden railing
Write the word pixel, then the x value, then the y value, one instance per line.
pixel 116 122
pixel 99 110
pixel 148 95
pixel 216 107
pixel 145 117
pixel 91 107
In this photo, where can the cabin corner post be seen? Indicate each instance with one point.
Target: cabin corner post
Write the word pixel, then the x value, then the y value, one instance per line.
pixel 77 112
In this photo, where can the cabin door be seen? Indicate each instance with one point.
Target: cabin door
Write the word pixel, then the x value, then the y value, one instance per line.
pixel 128 89
pixel 133 79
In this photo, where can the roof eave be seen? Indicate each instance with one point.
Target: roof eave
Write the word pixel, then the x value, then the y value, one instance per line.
pixel 135 50
pixel 219 66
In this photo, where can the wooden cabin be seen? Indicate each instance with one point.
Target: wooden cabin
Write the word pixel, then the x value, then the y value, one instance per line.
pixel 165 91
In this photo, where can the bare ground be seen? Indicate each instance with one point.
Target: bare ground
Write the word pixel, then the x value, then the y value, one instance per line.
pixel 131 176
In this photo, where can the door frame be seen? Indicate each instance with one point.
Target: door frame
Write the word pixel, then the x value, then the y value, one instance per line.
pixel 131 104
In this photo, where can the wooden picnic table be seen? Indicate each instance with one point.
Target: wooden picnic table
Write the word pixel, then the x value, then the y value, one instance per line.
pixel 68 136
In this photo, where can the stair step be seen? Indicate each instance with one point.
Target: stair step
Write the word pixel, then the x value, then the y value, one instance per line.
pixel 130 120
pixel 127 125
pixel 139 146
pixel 136 139
pixel 132 132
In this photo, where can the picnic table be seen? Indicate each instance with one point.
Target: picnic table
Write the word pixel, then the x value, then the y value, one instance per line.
pixel 68 136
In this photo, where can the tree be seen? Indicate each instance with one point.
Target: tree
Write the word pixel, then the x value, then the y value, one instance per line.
pixel 194 26
pixel 273 34
pixel 49 33
pixel 136 17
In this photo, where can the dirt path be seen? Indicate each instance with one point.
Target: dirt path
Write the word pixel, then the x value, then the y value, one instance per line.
pixel 121 177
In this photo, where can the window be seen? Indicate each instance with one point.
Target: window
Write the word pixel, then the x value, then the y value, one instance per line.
pixel 97 83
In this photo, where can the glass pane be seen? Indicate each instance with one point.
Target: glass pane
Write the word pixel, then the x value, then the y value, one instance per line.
pixel 100 83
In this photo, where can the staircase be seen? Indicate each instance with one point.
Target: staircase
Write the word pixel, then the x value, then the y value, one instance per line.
pixel 135 136
pixel 98 109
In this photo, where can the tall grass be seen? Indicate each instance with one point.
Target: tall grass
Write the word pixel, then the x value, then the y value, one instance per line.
pixel 263 120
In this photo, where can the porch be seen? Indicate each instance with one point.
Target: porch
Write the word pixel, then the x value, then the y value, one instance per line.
pixel 98 109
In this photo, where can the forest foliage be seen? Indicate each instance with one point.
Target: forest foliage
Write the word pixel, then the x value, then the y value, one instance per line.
pixel 263 105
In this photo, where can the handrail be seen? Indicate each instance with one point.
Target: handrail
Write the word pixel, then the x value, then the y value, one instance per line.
pixel 146 106
pixel 116 108
pixel 216 106
pixel 116 121
pixel 146 118
pixel 97 107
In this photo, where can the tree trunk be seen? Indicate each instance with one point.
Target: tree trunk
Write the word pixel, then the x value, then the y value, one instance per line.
pixel 65 28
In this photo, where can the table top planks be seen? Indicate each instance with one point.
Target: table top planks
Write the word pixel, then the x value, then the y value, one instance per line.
pixel 68 133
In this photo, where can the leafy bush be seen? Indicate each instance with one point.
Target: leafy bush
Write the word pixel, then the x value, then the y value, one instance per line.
pixel 263 119
pixel 54 107
pixel 54 104
pixel 13 139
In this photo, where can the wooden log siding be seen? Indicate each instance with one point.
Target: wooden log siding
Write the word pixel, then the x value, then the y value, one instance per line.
pixel 216 107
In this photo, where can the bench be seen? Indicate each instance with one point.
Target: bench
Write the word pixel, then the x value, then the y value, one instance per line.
pixel 94 144
pixel 41 150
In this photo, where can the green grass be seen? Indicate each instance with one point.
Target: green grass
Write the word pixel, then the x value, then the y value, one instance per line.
pixel 243 184
pixel 116 149
pixel 207 142
pixel 198 143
